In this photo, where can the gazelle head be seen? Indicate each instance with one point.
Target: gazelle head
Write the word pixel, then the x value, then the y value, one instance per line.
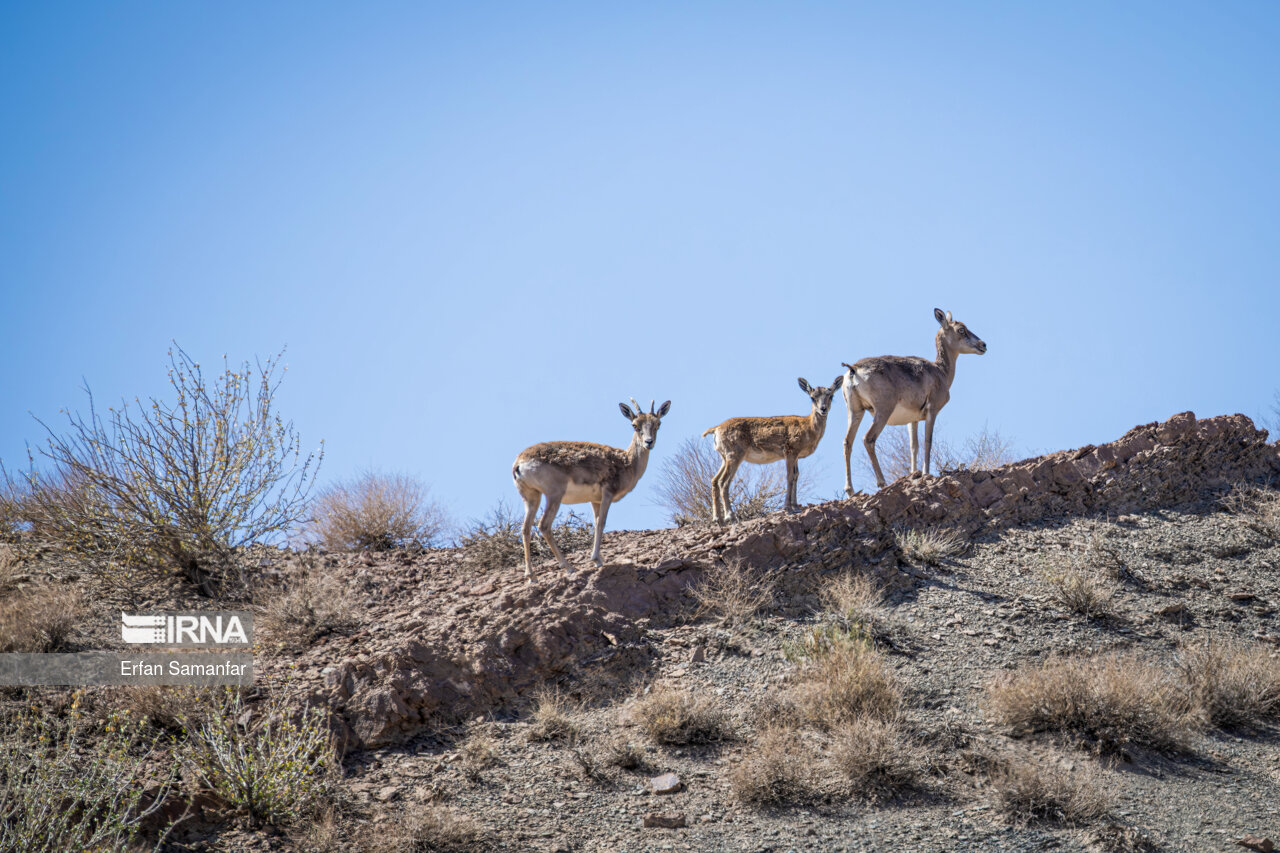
pixel 645 423
pixel 957 335
pixel 821 397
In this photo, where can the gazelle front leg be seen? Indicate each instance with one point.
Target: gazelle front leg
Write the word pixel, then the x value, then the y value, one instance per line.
pixel 929 417
pixel 915 446
pixel 718 509
pixel 793 474
pixel 855 418
pixel 601 510
pixel 544 527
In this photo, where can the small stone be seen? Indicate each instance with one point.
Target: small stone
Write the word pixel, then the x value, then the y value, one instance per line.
pixel 667 783
pixel 387 793
pixel 1253 842
pixel 699 654
pixel 1242 596
pixel 664 820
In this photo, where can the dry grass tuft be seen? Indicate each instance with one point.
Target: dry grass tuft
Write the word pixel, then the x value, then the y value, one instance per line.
pixel 733 590
pixel 676 716
pixel 1082 590
pixel 436 829
pixel 621 753
pixel 553 717
pixel 843 681
pixel 376 512
pixel 981 451
pixel 1234 684
pixel 778 770
pixel 1111 700
pixel 171 708
pixel 40 619
pixel 311 602
pixel 1258 508
pixel 931 546
pixel 876 757
pixel 1032 794
pixel 477 753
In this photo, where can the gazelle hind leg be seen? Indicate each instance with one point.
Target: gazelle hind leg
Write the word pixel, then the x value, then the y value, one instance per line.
pixel 855 418
pixel 544 527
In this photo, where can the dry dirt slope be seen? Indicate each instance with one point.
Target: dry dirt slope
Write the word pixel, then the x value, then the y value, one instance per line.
pixel 432 690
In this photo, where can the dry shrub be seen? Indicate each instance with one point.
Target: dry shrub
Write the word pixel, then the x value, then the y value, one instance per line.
pixel 553 717
pixel 855 604
pixel 311 602
pixel 1111 700
pixel 1082 590
pixel 876 757
pixel 1234 684
pixel 477 753
pixel 168 707
pixel 435 829
pixel 1029 793
pixel 676 716
pixel 621 753
pixel 376 512
pixel 981 451
pixel 843 681
pixel 931 546
pixel 179 485
pixel 40 619
pixel 734 590
pixel 494 542
pixel 684 485
pixel 779 769
pixel 1257 507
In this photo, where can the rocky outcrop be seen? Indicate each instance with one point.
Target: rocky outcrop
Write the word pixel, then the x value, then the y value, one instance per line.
pixel 499 637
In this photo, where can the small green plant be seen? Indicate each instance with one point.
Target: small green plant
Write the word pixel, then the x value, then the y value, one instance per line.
pixel 61 790
pixel 276 771
pixel 376 512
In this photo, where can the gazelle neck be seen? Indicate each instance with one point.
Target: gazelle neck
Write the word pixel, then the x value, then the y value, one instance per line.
pixel 818 420
pixel 638 454
pixel 946 359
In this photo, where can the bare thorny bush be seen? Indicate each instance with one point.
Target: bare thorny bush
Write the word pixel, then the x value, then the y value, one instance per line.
pixel 174 485
pixel 684 485
pixel 734 591
pixel 376 512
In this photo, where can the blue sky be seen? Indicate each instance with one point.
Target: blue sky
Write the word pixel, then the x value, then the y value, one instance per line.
pixel 479 226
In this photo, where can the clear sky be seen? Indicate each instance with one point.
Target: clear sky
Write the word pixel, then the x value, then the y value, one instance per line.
pixel 478 226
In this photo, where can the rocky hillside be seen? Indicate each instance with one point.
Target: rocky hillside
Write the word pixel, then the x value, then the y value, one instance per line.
pixel 1073 652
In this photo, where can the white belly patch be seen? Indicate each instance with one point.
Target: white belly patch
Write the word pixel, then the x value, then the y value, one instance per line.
pixel 905 415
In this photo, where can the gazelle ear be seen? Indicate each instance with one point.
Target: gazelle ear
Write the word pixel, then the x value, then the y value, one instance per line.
pixel 835 386
pixel 940 317
pixel 626 411
pixel 664 408
pixel 804 386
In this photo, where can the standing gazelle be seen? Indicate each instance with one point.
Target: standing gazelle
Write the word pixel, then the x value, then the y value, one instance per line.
pixel 575 472
pixel 764 440
pixel 904 390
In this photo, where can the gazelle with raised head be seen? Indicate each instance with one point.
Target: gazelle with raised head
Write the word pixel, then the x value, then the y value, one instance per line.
pixel 904 390
pixel 575 472
pixel 764 440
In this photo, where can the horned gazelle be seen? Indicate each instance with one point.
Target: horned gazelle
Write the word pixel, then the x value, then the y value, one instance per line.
pixel 575 472
pixel 904 390
pixel 764 440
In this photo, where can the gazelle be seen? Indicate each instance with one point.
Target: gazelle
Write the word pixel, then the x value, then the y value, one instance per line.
pixel 764 440
pixel 575 472
pixel 904 390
